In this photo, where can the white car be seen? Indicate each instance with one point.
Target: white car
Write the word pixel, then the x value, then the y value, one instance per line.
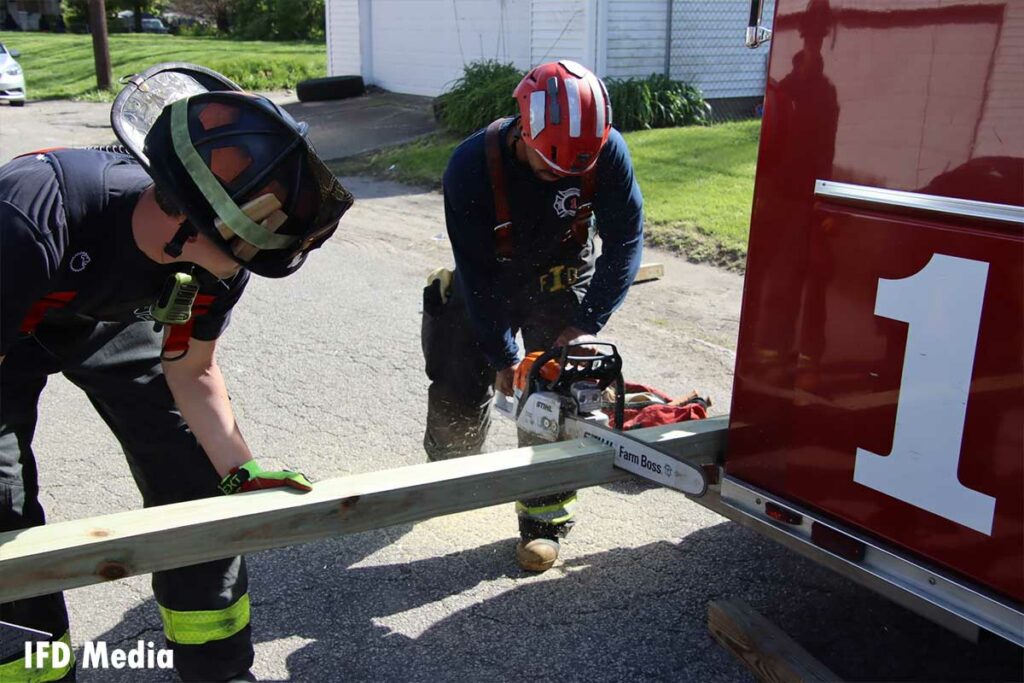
pixel 12 81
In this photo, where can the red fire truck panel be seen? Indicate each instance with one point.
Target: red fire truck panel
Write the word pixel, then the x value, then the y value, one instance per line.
pixel 880 371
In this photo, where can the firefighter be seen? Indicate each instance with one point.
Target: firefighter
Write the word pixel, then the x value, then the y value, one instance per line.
pixel 99 249
pixel 522 199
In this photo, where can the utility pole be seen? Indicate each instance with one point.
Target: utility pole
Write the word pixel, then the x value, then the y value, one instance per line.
pixel 100 47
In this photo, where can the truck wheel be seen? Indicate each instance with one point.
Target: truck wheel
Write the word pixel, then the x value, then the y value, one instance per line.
pixel 17 103
pixel 330 88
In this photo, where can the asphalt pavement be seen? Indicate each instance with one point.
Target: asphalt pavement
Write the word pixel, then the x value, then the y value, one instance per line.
pixel 338 128
pixel 325 373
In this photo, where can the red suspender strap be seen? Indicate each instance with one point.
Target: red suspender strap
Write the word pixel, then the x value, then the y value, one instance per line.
pixel 38 309
pixel 178 335
pixel 44 150
pixel 496 170
pixel 587 188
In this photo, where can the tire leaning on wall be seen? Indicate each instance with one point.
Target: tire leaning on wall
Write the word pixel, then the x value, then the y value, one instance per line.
pixel 330 88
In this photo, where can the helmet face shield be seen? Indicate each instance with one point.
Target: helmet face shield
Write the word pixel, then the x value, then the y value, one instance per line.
pixel 240 167
pixel 145 95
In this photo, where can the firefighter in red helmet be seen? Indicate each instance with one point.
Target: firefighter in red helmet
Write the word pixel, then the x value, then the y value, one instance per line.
pixel 120 269
pixel 523 200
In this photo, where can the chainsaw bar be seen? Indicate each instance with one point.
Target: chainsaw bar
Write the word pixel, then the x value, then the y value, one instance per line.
pixel 640 457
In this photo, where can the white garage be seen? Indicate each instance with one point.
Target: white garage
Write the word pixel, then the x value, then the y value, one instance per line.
pixel 420 46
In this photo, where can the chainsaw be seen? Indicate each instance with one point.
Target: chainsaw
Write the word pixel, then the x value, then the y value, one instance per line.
pixel 559 395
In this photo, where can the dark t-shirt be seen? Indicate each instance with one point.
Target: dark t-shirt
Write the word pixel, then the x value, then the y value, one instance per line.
pixel 541 214
pixel 66 226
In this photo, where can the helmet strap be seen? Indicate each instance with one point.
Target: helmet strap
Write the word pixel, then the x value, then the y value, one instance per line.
pixel 185 233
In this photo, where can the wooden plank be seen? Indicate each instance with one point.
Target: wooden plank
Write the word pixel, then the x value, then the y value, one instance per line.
pixel 766 650
pixel 648 272
pixel 82 552
pixel 77 553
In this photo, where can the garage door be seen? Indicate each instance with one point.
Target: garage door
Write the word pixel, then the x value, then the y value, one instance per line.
pixel 420 46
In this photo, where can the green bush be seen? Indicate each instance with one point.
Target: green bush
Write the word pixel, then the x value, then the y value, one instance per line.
pixel 482 94
pixel 656 102
pixel 196 30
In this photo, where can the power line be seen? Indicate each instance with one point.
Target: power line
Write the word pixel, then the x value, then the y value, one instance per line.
pixel 564 29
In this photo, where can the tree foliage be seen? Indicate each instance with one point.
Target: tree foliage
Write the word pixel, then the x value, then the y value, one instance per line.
pixel 278 19
pixel 259 19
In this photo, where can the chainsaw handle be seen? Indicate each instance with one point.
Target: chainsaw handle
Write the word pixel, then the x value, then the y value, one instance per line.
pixel 561 353
pixel 557 352
pixel 620 401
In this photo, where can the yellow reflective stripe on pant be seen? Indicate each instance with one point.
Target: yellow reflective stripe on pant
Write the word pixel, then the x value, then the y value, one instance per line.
pixel 202 626
pixel 556 513
pixel 17 672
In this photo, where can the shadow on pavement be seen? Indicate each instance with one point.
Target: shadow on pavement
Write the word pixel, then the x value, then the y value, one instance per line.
pixel 344 128
pixel 620 614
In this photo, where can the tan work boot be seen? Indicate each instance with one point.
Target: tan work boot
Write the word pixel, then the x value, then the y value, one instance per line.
pixel 536 554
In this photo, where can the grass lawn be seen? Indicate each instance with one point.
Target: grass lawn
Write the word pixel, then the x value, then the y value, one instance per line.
pixel 60 66
pixel 698 183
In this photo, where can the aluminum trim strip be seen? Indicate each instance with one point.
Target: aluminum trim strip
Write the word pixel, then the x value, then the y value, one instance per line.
pixel 1007 213
pixel 902 574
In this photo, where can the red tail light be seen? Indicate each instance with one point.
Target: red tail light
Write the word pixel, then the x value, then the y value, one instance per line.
pixel 836 542
pixel 781 514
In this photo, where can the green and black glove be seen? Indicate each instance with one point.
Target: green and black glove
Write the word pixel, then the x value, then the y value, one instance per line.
pixel 252 477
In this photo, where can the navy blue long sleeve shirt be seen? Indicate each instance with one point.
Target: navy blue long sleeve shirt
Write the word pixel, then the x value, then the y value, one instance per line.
pixel 540 218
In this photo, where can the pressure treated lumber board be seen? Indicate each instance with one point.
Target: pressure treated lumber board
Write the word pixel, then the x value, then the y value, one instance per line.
pixel 766 650
pixel 77 553
pixel 649 271
pixel 82 552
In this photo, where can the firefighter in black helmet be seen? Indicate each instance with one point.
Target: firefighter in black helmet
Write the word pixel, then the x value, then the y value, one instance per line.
pixel 120 268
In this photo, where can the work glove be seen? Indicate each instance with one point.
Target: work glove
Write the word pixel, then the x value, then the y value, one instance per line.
pixel 251 477
pixel 438 290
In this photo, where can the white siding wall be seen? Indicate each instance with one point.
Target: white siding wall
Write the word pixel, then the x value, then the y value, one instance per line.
pixel 636 37
pixel 421 46
pixel 561 30
pixel 343 45
pixel 708 50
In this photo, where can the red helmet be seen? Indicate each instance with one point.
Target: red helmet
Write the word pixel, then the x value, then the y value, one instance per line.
pixel 566 115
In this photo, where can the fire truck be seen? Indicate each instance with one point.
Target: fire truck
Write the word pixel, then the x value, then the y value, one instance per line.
pixel 877 420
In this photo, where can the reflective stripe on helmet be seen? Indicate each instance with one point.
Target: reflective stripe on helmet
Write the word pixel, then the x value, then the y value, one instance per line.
pixel 599 104
pixel 537 118
pixel 225 207
pixel 575 68
pixel 572 93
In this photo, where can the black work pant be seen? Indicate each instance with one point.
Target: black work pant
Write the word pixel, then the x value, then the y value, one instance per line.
pixel 462 388
pixel 118 367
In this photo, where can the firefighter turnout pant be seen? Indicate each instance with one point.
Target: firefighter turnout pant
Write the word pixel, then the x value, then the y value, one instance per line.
pixel 204 608
pixel 462 388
